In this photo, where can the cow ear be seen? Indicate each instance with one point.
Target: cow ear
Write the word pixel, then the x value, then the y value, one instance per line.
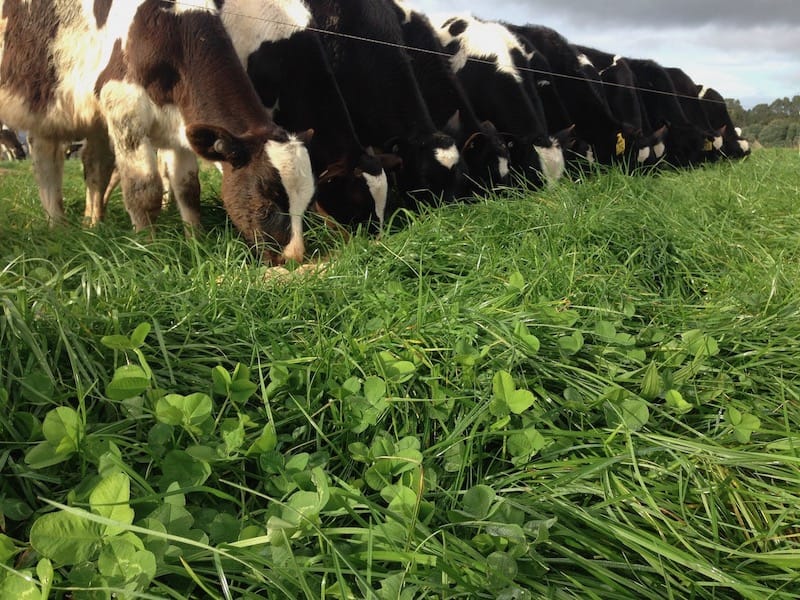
pixel 394 145
pixel 475 141
pixel 333 171
pixel 305 136
pixel 391 162
pixel 453 123
pixel 216 144
pixel 488 127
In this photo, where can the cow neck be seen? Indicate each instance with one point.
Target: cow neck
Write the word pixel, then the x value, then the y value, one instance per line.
pixel 212 87
pixel 306 96
pixel 377 81
pixel 440 89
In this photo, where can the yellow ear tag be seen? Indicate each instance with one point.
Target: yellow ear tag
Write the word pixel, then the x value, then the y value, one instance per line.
pixel 708 146
pixel 620 144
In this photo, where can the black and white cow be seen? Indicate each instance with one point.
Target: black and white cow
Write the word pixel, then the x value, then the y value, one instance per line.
pixel 385 102
pixel 688 94
pixel 277 42
pixel 487 58
pixel 133 76
pixel 713 104
pixel 543 92
pixel 482 148
pixel 620 89
pixel 686 143
pixel 580 88
pixel 10 146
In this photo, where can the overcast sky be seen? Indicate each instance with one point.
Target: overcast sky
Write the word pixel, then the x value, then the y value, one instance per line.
pixel 746 49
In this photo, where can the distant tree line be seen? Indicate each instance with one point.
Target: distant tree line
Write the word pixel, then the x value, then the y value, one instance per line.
pixel 776 124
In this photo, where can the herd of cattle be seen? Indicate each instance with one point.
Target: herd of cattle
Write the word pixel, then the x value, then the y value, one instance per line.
pixel 351 107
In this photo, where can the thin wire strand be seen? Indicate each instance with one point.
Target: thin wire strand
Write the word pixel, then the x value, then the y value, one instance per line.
pixel 367 40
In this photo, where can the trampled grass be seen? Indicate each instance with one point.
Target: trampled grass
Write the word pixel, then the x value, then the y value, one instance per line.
pixel 588 392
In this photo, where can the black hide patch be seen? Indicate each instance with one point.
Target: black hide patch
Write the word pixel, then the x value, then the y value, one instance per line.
pixel 101 10
pixel 27 69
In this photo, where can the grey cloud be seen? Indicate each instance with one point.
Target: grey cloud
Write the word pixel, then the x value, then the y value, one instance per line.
pixel 671 13
pixel 651 13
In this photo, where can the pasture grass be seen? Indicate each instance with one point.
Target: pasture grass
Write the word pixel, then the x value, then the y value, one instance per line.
pixel 585 392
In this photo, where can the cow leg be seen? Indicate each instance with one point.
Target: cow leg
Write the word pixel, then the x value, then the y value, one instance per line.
pixel 184 184
pixel 98 165
pixel 113 183
pixel 141 185
pixel 129 115
pixel 48 168
pixel 166 166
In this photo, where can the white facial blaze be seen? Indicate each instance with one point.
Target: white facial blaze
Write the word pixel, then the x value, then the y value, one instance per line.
pixel 659 149
pixel 250 23
pixel 379 190
pixel 447 157
pixel 502 167
pixel 294 166
pixel 552 162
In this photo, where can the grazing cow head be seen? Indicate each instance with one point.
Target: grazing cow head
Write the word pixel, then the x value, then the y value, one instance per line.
pixel 354 191
pixel 538 161
pixel 431 162
pixel 267 184
pixel 486 158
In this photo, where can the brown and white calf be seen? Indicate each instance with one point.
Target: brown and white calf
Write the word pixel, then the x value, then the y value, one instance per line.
pixel 135 76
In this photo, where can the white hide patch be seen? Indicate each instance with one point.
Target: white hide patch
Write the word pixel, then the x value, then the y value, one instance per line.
pixel 659 149
pixel 74 108
pixel 250 23
pixel 486 41
pixel 744 145
pixel 584 61
pixel 590 156
pixel 703 92
pixel 644 154
pixel 379 190
pixel 738 131
pixel 717 143
pixel 502 167
pixel 447 157
pixel 552 162
pixel 182 6
pixel 125 105
pixel 294 166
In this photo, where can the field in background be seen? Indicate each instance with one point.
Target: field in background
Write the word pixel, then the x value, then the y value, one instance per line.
pixel 588 392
